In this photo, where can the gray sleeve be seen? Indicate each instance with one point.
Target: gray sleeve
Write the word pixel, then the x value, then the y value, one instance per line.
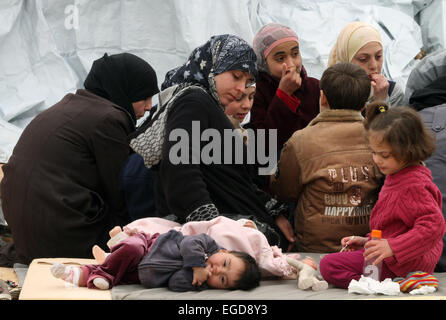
pixel 397 96
pixel 195 250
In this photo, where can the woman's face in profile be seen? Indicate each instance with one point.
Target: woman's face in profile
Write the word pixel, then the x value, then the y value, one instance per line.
pixel 231 85
pixel 140 107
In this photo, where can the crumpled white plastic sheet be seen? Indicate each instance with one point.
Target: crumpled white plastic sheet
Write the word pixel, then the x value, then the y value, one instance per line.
pixel 9 134
pixel 48 46
pixel 367 285
pixel 423 290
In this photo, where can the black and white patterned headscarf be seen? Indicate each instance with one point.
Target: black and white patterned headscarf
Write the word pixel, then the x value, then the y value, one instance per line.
pixel 219 54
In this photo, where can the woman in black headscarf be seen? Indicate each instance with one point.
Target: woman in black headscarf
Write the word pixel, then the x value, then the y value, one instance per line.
pixel 193 101
pixel 60 193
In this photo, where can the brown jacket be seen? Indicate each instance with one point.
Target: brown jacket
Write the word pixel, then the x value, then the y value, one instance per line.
pixel 328 169
pixel 60 193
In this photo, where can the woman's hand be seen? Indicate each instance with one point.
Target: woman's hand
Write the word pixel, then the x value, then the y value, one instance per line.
pixel 287 230
pixel 380 86
pixel 379 249
pixel 290 81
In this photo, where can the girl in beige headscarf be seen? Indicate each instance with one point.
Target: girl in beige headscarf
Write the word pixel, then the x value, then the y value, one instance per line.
pixel 361 44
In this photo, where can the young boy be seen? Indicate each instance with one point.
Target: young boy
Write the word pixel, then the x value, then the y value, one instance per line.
pixel 328 168
pixel 182 263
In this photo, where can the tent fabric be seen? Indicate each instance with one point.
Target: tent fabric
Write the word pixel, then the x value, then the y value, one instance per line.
pixel 48 46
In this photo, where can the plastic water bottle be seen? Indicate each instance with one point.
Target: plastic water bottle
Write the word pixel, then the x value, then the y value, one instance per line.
pixel 370 270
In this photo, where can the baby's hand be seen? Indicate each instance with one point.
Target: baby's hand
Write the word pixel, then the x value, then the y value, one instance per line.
pixel 353 243
pixel 201 275
pixel 130 231
pixel 379 249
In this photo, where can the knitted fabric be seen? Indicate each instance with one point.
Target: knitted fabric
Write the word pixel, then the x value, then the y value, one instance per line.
pixel 416 280
pixel 409 214
pixel 267 38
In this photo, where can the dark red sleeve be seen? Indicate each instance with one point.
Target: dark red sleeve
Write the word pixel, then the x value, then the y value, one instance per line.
pixel 292 102
pixel 270 112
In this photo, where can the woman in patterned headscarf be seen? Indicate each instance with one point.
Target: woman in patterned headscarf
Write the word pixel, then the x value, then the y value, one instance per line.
pixel 193 102
pixel 361 44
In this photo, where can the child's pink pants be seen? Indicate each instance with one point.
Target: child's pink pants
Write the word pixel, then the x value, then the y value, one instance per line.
pixel 121 265
pixel 340 268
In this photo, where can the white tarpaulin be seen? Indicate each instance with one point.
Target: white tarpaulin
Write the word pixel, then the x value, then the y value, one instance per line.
pixel 48 46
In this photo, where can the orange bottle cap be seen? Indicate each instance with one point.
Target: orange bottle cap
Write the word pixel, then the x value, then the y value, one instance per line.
pixel 376 233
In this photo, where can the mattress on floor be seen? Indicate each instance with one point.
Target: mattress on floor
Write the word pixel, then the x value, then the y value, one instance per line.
pixel 268 290
pixel 8 274
pixel 40 284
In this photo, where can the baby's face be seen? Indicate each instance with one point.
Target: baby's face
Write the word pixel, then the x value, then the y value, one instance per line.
pixel 225 270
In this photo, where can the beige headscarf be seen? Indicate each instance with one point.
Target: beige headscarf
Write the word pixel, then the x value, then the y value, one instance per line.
pixel 353 37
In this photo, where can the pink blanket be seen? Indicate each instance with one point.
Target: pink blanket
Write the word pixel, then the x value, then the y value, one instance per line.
pixel 231 235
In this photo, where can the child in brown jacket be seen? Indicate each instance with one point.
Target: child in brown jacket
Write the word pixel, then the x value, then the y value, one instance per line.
pixel 327 167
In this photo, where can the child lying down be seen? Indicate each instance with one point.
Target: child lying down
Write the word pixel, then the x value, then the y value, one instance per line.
pixel 182 263
pixel 240 235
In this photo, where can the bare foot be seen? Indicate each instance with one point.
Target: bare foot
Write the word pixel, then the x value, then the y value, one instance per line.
pixel 99 254
pixel 113 232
